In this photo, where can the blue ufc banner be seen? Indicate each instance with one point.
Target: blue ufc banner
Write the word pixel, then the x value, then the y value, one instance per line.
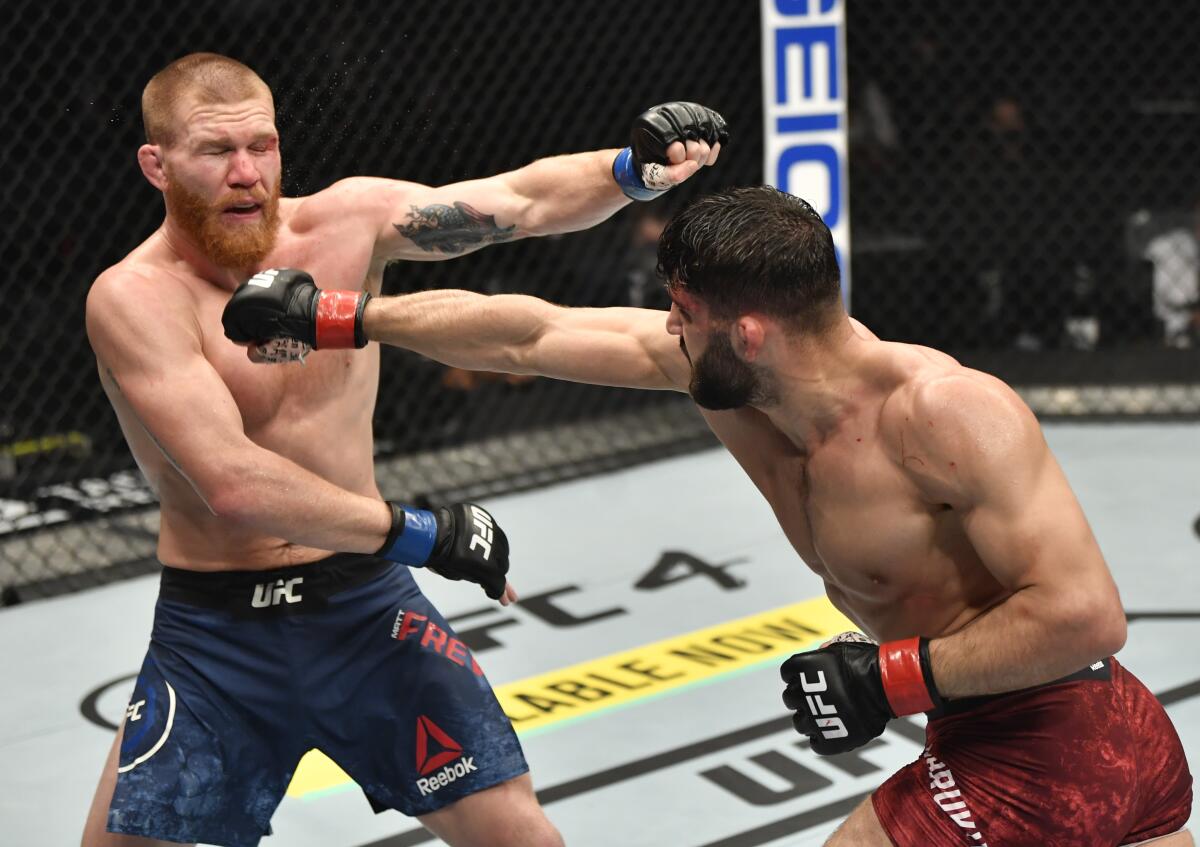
pixel 804 105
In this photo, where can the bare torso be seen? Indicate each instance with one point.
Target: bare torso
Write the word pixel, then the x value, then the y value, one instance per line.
pixel 894 559
pixel 317 414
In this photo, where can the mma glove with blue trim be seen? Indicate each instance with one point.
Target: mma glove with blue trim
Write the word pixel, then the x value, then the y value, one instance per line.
pixel 461 541
pixel 640 169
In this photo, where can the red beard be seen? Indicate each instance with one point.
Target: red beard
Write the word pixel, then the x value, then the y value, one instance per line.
pixel 238 246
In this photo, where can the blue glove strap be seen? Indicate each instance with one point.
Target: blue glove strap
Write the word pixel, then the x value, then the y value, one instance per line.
pixel 416 540
pixel 625 172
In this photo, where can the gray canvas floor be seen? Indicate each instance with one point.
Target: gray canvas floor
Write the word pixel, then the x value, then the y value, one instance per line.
pixel 711 763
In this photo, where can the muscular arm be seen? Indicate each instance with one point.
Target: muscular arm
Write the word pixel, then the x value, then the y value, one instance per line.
pixel 148 347
pixel 552 195
pixel 518 334
pixel 971 442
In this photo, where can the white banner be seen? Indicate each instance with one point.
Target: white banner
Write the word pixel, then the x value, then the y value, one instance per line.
pixel 804 105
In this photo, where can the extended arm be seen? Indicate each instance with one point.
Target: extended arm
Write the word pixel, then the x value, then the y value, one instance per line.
pixel 559 194
pixel 671 142
pixel 514 333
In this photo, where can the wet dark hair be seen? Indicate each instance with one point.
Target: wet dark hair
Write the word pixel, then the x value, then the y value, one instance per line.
pixel 754 249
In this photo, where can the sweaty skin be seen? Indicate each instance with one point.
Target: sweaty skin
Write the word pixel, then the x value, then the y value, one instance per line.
pixel 260 467
pixel 922 492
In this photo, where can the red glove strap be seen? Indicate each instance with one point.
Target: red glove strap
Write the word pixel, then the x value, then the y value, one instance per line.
pixel 336 311
pixel 903 681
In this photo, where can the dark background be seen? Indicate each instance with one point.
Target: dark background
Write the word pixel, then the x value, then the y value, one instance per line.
pixel 1009 163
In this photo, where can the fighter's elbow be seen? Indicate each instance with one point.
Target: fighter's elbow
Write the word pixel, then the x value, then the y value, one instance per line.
pixel 233 496
pixel 229 502
pixel 1100 625
pixel 1111 629
pixel 536 223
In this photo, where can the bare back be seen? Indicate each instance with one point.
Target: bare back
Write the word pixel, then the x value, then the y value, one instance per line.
pixel 316 414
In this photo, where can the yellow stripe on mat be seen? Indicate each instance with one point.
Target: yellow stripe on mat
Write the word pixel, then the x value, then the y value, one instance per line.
pixel 620 679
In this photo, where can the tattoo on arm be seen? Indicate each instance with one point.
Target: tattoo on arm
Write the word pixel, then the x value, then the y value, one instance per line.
pixel 452 229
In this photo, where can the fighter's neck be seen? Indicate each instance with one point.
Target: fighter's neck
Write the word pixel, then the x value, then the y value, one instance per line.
pixel 183 248
pixel 820 389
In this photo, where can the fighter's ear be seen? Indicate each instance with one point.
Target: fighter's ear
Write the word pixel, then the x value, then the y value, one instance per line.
pixel 150 159
pixel 749 335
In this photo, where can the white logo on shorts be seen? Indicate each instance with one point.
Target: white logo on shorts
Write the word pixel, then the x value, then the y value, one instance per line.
pixel 133 711
pixel 948 797
pixel 274 593
pixel 447 775
pixel 162 739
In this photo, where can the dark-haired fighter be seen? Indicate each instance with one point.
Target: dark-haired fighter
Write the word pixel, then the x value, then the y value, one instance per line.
pixel 286 620
pixel 921 491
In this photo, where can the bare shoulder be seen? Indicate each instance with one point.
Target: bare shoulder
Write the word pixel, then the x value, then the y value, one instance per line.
pixel 952 427
pixel 135 285
pixel 138 300
pixel 360 198
pixel 969 398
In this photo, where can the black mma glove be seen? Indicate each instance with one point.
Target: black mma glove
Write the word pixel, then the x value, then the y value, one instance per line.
pixel 845 693
pixel 460 541
pixel 640 168
pixel 286 303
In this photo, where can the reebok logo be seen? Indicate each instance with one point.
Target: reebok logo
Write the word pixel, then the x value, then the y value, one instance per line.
pixel 447 775
pixel 263 279
pixel 483 531
pixel 273 593
pixel 436 749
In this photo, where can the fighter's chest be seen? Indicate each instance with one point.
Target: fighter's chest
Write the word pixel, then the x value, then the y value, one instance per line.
pixel 264 393
pixel 850 509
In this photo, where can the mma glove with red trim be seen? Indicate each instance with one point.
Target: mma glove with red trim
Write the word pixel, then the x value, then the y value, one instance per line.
pixel 286 303
pixel 844 694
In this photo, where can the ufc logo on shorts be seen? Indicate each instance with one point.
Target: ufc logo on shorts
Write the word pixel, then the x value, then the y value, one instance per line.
pixel 483 531
pixel 273 593
pixel 831 727
pixel 133 712
pixel 263 279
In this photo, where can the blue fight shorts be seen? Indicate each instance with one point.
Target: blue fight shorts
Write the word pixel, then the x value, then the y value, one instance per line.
pixel 248 670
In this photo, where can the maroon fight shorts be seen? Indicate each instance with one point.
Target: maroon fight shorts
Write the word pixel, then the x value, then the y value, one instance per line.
pixel 1091 761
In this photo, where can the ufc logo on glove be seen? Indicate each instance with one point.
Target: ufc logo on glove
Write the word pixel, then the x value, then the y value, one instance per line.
pixel 483 531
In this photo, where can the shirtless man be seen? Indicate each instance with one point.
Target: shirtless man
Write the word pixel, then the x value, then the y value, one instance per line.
pixel 264 644
pixel 923 494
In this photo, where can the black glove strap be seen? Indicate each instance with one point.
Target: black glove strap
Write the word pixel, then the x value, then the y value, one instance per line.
pixel 395 531
pixel 360 335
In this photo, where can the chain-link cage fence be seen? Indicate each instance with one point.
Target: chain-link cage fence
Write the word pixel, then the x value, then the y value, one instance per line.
pixel 1021 189
pixel 1024 193
pixel 425 90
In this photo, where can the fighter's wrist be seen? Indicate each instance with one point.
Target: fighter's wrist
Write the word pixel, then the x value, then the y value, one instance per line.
pixel 411 538
pixel 907 676
pixel 338 319
pixel 627 174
